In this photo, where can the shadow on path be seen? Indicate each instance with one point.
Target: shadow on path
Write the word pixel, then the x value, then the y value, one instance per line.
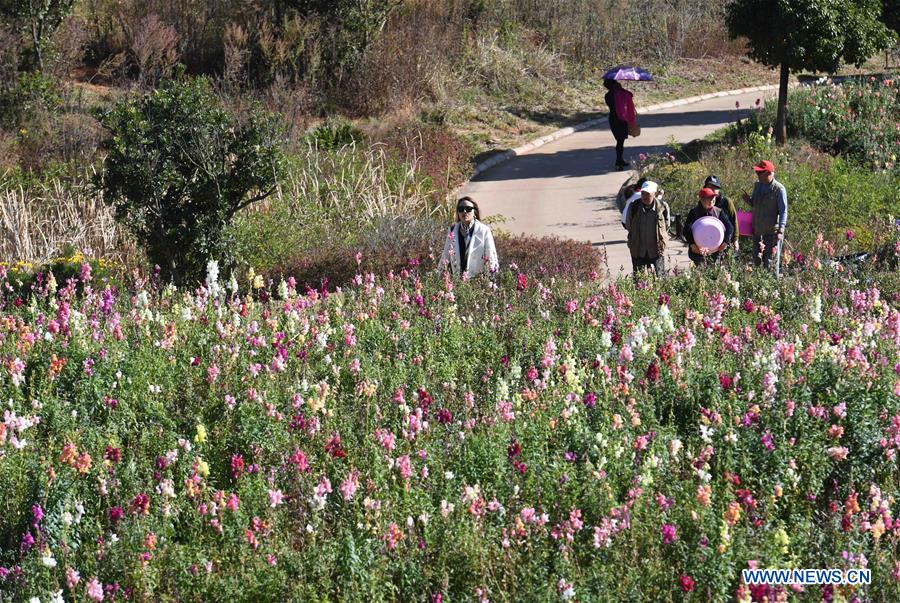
pixel 595 161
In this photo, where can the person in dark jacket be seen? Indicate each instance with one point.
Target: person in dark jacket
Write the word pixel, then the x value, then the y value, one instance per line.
pixel 647 232
pixel 706 206
pixel 621 113
pixel 725 204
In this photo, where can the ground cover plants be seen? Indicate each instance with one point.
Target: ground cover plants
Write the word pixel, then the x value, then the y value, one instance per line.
pixel 412 438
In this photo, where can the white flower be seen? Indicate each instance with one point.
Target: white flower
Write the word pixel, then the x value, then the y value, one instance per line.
pixel 48 561
pixel 142 300
pixel 448 475
pixel 706 433
pixel 57 597
pixel 816 310
pixel 67 518
pixel 79 511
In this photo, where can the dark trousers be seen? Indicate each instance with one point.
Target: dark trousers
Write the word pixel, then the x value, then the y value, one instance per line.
pixel 620 151
pixel 770 244
pixel 640 264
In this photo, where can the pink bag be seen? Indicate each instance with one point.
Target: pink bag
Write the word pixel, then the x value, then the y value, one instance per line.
pixel 745 223
pixel 624 105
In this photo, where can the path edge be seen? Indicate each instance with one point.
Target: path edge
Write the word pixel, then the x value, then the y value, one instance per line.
pixel 563 132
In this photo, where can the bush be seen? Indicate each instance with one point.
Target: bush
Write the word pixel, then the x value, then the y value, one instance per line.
pixel 853 120
pixel 827 195
pixel 26 98
pixel 333 135
pixel 71 267
pixel 179 168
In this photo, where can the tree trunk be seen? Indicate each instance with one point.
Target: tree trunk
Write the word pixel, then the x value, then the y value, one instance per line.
pixel 781 119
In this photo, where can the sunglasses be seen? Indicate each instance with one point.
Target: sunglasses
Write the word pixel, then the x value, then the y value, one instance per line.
pixel 465 208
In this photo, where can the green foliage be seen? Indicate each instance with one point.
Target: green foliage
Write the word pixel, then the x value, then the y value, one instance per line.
pixel 179 167
pixel 26 279
pixel 353 25
pixel 809 34
pixel 26 96
pixel 826 195
pixel 334 134
pixel 857 121
pixel 35 20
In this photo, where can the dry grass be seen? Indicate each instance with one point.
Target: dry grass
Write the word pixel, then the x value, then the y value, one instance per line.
pixel 35 226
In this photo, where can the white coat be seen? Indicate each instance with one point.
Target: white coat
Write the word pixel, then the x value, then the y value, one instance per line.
pixel 481 251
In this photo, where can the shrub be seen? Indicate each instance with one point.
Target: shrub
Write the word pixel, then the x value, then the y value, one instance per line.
pixel 855 120
pixel 27 279
pixel 828 195
pixel 540 256
pixel 179 168
pixel 334 134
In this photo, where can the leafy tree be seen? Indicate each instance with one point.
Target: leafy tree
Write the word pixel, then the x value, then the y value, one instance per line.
pixel 807 34
pixel 179 167
pixel 890 15
pixel 35 20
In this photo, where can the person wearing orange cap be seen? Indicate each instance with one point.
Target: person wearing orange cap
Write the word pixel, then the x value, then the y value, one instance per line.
pixel 706 206
pixel 770 212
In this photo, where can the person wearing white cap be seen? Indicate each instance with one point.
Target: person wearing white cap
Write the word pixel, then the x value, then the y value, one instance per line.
pixel 637 195
pixel 647 227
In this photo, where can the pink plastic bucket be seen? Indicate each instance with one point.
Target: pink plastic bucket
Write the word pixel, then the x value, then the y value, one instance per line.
pixel 745 223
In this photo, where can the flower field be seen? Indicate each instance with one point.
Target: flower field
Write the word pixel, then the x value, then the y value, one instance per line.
pixel 413 439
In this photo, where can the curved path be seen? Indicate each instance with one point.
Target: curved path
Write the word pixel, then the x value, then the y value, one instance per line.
pixel 567 188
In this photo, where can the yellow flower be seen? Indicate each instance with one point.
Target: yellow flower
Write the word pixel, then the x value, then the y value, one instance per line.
pixel 201 434
pixel 202 467
pixel 781 539
pixel 878 529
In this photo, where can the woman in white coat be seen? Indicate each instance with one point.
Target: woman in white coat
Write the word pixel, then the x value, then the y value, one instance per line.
pixel 469 248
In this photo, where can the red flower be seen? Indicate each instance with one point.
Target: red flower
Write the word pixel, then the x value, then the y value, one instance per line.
pixel 653 372
pixel 237 466
pixel 522 283
pixel 334 448
pixel 686 582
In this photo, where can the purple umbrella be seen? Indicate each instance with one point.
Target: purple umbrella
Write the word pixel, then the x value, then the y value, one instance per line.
pixel 622 72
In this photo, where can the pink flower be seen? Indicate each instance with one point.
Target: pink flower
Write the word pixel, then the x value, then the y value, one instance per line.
pixel 72 577
pixel 94 590
pixel 276 497
pixel 838 453
pixel 404 466
pixel 233 502
pixel 668 533
pixel 393 536
pixel 323 487
pixel 385 439
pixel 348 486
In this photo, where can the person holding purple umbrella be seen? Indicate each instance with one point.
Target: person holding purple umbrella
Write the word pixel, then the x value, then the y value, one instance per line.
pixel 621 114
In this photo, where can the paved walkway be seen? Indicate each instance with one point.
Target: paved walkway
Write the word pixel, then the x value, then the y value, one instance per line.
pixel 567 188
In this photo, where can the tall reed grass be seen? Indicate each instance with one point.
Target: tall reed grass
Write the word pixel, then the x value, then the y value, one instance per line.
pixel 38 222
